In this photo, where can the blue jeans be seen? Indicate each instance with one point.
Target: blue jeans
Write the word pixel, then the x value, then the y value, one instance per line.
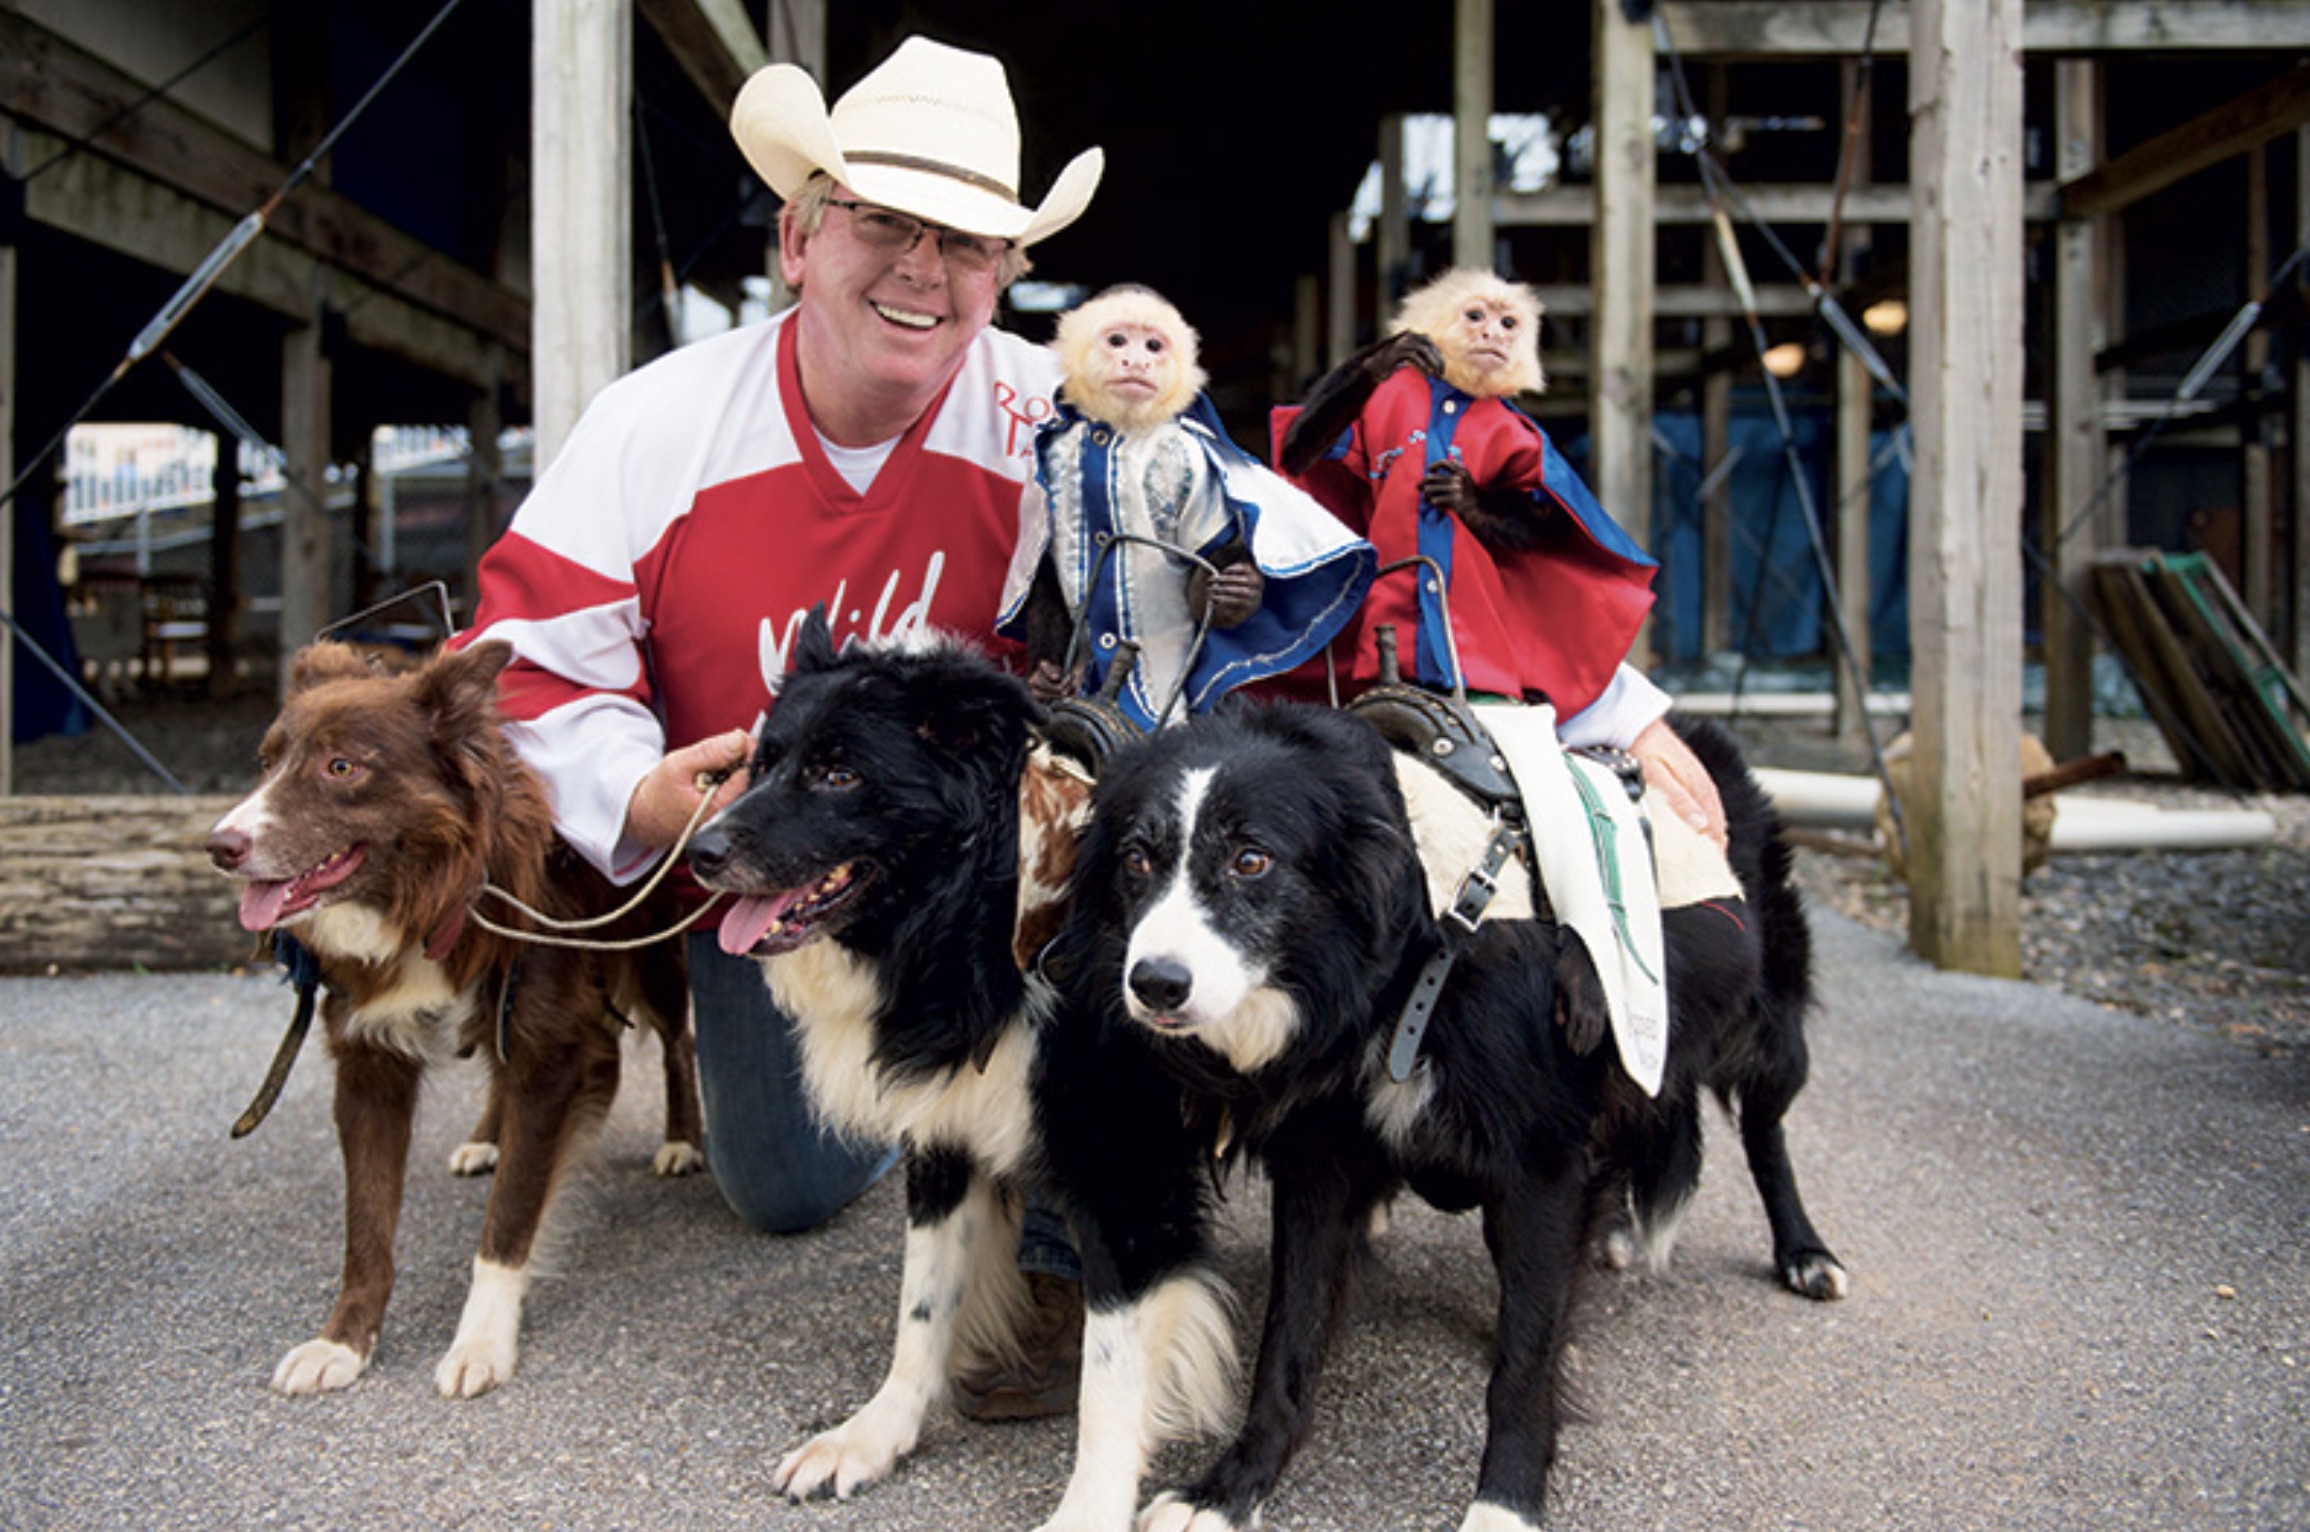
pixel 779 1168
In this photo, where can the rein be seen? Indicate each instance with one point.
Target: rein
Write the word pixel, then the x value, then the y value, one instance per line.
pixel 305 973
pixel 554 933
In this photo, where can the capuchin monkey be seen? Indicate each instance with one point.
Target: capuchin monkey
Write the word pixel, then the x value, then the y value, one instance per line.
pixel 1481 334
pixel 1131 371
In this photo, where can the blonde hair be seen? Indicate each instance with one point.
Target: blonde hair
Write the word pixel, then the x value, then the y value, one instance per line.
pixel 807 211
pixel 1128 303
pixel 1433 310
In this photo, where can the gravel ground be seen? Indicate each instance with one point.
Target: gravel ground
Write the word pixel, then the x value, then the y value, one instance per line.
pixel 2211 940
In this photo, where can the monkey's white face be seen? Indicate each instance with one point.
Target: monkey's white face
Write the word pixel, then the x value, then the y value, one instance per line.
pixel 1132 366
pixel 1482 339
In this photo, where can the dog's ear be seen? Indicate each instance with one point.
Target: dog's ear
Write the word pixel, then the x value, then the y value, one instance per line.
pixel 458 691
pixel 970 709
pixel 814 645
pixel 327 660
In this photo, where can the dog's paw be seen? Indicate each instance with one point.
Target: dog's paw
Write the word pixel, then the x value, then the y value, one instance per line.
pixel 1168 1513
pixel 1620 1249
pixel 473 1159
pixel 1484 1516
pixel 474 1367
pixel 843 1460
pixel 1816 1275
pixel 676 1158
pixel 318 1367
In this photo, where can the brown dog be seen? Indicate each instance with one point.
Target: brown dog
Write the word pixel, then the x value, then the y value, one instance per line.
pixel 389 797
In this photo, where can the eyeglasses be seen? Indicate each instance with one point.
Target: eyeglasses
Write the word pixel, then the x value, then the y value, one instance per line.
pixel 895 234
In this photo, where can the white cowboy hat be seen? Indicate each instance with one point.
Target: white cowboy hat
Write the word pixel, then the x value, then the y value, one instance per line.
pixel 931 131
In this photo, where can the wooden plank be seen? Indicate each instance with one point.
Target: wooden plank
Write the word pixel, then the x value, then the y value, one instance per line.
pixel 2244 123
pixel 2245 663
pixel 125 211
pixel 2184 711
pixel 51 84
pixel 1685 300
pixel 2178 584
pixel 1819 28
pixel 1574 206
pixel 111 883
pixel 1965 844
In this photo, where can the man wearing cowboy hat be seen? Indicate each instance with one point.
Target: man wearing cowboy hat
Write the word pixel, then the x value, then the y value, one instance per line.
pixel 867 449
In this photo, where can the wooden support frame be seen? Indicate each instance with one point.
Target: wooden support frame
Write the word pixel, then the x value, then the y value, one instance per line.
pixel 1472 223
pixel 1622 261
pixel 1963 812
pixel 581 207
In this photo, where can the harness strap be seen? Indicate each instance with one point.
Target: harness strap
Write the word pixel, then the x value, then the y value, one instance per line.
pixel 1453 931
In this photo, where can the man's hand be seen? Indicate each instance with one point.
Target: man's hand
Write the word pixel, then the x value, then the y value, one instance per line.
pixel 1684 785
pixel 666 798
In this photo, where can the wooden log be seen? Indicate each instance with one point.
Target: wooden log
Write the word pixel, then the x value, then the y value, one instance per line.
pixel 112 883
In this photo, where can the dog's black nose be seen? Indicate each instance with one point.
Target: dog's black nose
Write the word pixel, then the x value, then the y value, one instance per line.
pixel 1162 984
pixel 708 852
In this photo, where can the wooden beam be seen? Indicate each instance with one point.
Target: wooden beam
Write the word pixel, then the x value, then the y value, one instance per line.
pixel 2235 127
pixel 1392 235
pixel 8 511
pixel 1339 308
pixel 1816 28
pixel 1856 408
pixel 49 83
pixel 1621 262
pixel 1570 300
pixel 1575 206
pixel 307 567
pixel 1963 809
pixel 2077 527
pixel 1472 52
pixel 581 209
pixel 123 210
pixel 712 40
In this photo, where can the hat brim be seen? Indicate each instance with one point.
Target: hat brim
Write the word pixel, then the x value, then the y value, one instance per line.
pixel 782 126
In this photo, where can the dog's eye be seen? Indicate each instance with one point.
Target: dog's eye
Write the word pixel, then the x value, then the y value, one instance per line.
pixel 835 779
pixel 1137 862
pixel 1251 862
pixel 341 769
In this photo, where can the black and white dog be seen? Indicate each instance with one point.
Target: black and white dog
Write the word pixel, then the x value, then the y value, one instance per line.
pixel 897 855
pixel 1251 895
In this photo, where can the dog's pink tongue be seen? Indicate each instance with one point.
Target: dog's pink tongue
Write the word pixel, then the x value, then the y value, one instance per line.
pixel 261 904
pixel 746 922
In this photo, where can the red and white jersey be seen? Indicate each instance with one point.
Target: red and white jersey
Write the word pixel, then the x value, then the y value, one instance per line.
pixel 653 580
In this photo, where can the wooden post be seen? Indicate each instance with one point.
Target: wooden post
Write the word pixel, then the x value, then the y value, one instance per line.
pixel 1393 237
pixel 2076 527
pixel 581 144
pixel 1621 264
pixel 485 471
pixel 1856 399
pixel 1716 386
pixel 1339 331
pixel 9 512
pixel 1472 237
pixel 225 601
pixel 1306 334
pixel 305 562
pixel 2298 435
pixel 1963 812
pixel 2257 584
pixel 794 33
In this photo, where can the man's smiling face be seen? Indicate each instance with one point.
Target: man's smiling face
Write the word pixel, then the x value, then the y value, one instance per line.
pixel 894 325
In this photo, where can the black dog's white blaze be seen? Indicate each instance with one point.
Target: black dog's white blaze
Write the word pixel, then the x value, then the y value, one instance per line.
pixel 1194 964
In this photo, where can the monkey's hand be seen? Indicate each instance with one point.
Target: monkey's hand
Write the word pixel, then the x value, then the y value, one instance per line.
pixel 1381 358
pixel 1504 520
pixel 1052 684
pixel 1341 395
pixel 1231 595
